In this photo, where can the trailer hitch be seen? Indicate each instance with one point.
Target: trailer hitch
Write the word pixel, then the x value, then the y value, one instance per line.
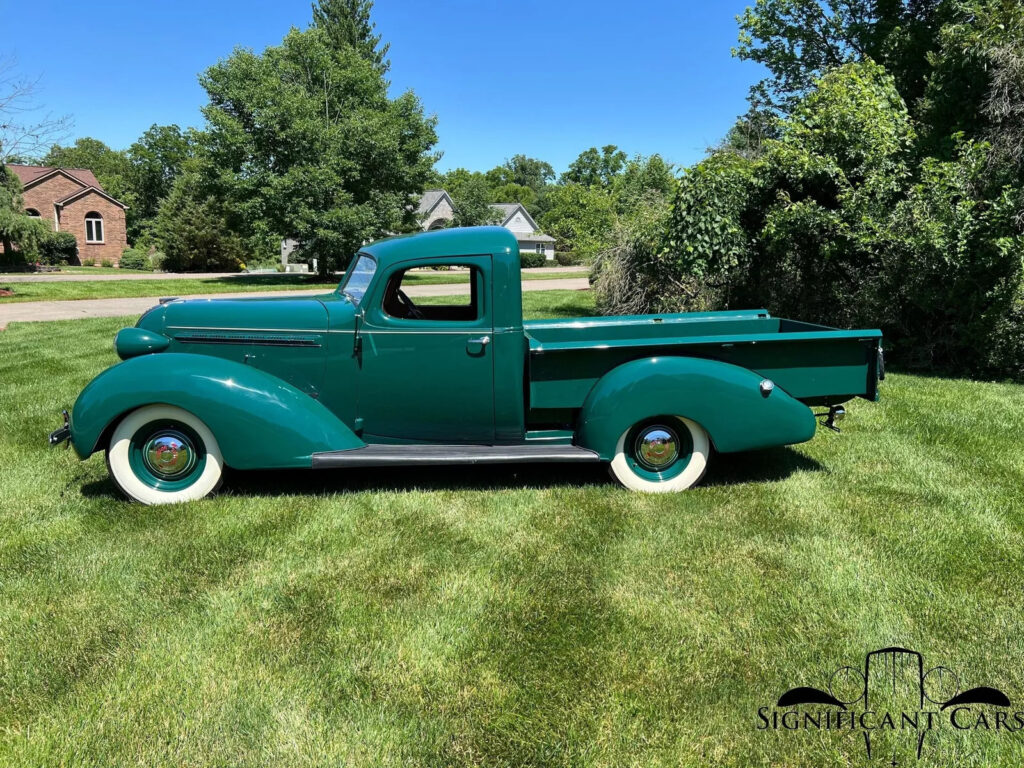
pixel 835 414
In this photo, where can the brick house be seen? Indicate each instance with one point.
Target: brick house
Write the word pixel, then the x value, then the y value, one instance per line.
pixel 74 201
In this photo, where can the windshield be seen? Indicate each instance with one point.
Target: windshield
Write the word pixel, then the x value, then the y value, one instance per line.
pixel 359 278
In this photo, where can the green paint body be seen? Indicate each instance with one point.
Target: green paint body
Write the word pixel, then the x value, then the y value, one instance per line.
pixel 278 380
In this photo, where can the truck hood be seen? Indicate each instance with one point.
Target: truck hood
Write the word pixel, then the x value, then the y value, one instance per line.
pixel 287 336
pixel 288 313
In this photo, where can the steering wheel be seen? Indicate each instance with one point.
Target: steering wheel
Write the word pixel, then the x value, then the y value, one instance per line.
pixel 412 310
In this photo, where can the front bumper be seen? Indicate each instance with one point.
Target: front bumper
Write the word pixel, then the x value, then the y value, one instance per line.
pixel 62 435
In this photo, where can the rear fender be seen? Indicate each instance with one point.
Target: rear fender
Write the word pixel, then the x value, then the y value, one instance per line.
pixel 260 421
pixel 724 399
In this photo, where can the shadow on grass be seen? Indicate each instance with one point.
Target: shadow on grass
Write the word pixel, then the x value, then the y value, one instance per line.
pixel 724 470
pixel 765 466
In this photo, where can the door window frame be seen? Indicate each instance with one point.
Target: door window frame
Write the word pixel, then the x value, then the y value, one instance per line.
pixel 376 317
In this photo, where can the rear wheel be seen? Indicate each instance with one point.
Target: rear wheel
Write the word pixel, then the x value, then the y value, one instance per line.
pixel 661 454
pixel 161 454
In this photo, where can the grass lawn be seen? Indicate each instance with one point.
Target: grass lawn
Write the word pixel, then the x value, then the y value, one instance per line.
pixel 528 616
pixel 120 289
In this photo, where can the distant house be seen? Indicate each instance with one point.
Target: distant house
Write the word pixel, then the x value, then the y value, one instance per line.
pixel 74 201
pixel 436 211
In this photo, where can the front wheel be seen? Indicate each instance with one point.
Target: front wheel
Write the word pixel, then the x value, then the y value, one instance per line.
pixel 161 454
pixel 662 454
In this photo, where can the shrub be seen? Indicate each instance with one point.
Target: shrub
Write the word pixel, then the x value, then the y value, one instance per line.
pixel 58 248
pixel 566 259
pixel 107 263
pixel 193 232
pixel 530 260
pixel 134 258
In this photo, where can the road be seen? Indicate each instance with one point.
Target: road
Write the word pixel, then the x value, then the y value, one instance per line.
pixel 39 311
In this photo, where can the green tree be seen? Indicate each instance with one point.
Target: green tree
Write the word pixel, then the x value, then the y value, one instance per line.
pixel 522 170
pixel 193 232
pixel 800 40
pixel 593 167
pixel 303 141
pixel 643 182
pixel 348 23
pixel 109 165
pixel 155 161
pixel 581 219
pixel 17 230
pixel 472 203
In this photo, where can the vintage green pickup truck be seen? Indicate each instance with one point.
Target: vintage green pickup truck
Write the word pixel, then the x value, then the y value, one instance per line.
pixel 365 376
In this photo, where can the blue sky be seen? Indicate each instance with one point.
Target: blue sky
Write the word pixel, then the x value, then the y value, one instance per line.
pixel 547 79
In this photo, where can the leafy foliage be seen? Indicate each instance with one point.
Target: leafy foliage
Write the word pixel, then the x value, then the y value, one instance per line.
pixel 58 248
pixel 580 218
pixel 349 26
pixel 21 235
pixel 472 203
pixel 594 167
pixel 134 258
pixel 303 141
pixel 834 223
pixel 194 231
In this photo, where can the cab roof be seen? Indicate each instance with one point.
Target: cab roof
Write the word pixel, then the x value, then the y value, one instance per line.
pixel 458 241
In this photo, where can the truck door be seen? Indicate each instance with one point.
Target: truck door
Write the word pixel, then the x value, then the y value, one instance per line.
pixel 427 366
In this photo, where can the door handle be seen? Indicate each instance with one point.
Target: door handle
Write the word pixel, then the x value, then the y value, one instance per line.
pixel 478 345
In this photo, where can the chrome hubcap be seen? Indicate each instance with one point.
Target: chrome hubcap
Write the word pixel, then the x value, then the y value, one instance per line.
pixel 657 447
pixel 169 454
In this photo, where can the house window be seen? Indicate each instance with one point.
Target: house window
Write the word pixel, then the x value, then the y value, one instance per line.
pixel 540 248
pixel 93 227
pixel 32 212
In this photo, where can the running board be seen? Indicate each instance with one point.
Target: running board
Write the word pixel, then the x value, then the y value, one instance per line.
pixel 430 455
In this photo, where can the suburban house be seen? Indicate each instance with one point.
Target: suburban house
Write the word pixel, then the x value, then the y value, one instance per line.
pixel 436 211
pixel 73 200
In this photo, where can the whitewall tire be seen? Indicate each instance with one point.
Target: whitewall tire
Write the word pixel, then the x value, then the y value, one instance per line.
pixel 661 455
pixel 162 454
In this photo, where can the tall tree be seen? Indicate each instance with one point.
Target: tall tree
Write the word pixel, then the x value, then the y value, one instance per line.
pixel 109 165
pixel 596 167
pixel 349 25
pixel 799 40
pixel 472 203
pixel 155 161
pixel 522 170
pixel 303 141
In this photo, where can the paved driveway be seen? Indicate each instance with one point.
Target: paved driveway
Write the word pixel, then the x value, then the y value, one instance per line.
pixel 37 311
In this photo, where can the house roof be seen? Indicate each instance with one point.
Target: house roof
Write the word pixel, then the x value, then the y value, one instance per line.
pixel 533 237
pixel 80 192
pixel 430 199
pixel 30 174
pixel 508 210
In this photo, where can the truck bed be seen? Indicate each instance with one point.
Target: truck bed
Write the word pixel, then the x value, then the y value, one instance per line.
pixel 816 364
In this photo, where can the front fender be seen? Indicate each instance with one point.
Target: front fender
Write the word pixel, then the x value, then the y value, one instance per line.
pixel 260 421
pixel 724 399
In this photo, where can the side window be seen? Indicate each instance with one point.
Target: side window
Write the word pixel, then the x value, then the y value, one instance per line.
pixel 466 306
